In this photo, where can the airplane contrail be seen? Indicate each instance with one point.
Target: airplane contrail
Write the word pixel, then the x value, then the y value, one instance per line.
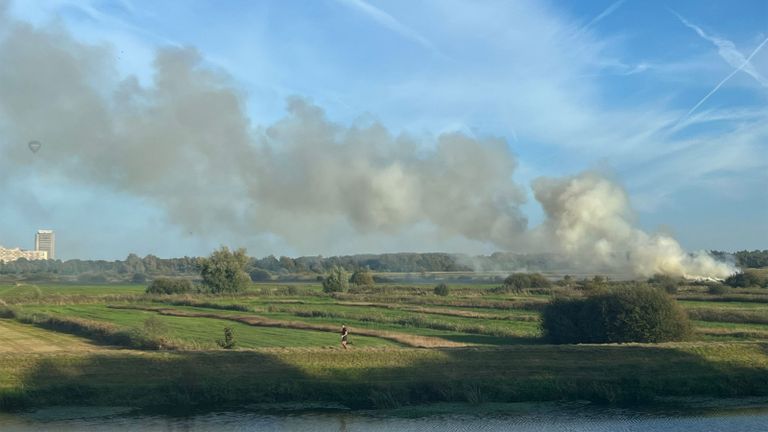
pixel 389 22
pixel 720 84
pixel 609 10
pixel 726 49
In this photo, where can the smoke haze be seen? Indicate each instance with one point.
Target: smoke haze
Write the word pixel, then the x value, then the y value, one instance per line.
pixel 185 144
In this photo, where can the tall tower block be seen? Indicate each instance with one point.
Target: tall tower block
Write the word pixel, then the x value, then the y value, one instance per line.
pixel 45 240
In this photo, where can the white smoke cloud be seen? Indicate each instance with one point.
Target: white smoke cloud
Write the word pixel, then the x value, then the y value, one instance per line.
pixel 590 220
pixel 185 144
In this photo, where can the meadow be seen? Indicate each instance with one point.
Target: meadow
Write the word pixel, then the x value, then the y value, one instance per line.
pixel 113 344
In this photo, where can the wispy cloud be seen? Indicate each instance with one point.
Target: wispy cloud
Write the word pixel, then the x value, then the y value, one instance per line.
pixel 386 20
pixel 727 50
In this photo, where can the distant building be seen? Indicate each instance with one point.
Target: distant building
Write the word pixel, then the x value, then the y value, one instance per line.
pixel 8 255
pixel 45 240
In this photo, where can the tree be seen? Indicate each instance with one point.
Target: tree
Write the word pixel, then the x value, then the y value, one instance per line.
pixel 135 264
pixel 224 271
pixel 288 264
pixel 625 314
pixel 336 281
pixel 362 277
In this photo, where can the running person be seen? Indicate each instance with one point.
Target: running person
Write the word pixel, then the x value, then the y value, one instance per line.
pixel 344 336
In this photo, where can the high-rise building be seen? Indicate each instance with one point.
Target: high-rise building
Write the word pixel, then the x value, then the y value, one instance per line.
pixel 45 240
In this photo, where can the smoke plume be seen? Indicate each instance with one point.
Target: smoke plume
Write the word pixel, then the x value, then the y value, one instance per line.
pixel 590 220
pixel 185 144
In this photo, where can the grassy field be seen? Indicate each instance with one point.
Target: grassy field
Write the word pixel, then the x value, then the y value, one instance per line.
pixel 23 338
pixel 387 378
pixel 33 291
pixel 408 346
pixel 202 333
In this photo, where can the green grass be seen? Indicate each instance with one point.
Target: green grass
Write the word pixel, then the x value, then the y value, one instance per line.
pixel 525 331
pixel 18 337
pixel 498 318
pixel 203 332
pixel 65 289
pixel 387 378
pixel 731 326
pixel 506 361
pixel 723 305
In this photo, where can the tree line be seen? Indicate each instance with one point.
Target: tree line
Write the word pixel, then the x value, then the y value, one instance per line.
pixel 745 258
pixel 391 262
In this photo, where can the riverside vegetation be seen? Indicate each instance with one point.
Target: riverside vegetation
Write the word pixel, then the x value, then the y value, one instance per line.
pixel 466 341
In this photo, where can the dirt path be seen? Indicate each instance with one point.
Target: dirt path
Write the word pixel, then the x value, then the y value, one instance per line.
pixel 17 337
pixel 254 320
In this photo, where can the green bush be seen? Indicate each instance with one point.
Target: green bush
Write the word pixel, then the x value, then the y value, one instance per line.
pixel 521 281
pixel 625 314
pixel 362 278
pixel 154 327
pixel 229 339
pixel 744 280
pixel 336 281
pixel 666 282
pixel 170 286
pixel 441 289
pixel 260 275
pixel 596 284
pixel 717 289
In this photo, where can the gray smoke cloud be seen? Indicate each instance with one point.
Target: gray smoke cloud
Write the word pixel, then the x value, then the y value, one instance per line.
pixel 185 144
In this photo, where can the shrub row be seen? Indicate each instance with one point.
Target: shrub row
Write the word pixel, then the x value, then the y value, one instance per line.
pixel 170 286
pixel 517 282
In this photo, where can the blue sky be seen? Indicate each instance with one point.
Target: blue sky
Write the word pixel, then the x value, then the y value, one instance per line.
pixel 569 86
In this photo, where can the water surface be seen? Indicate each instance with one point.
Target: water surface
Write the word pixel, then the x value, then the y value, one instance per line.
pixel 521 418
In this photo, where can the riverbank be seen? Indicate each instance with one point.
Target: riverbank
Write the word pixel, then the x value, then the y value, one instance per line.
pixel 385 377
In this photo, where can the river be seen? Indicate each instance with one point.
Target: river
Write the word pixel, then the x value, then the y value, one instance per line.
pixel 522 418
